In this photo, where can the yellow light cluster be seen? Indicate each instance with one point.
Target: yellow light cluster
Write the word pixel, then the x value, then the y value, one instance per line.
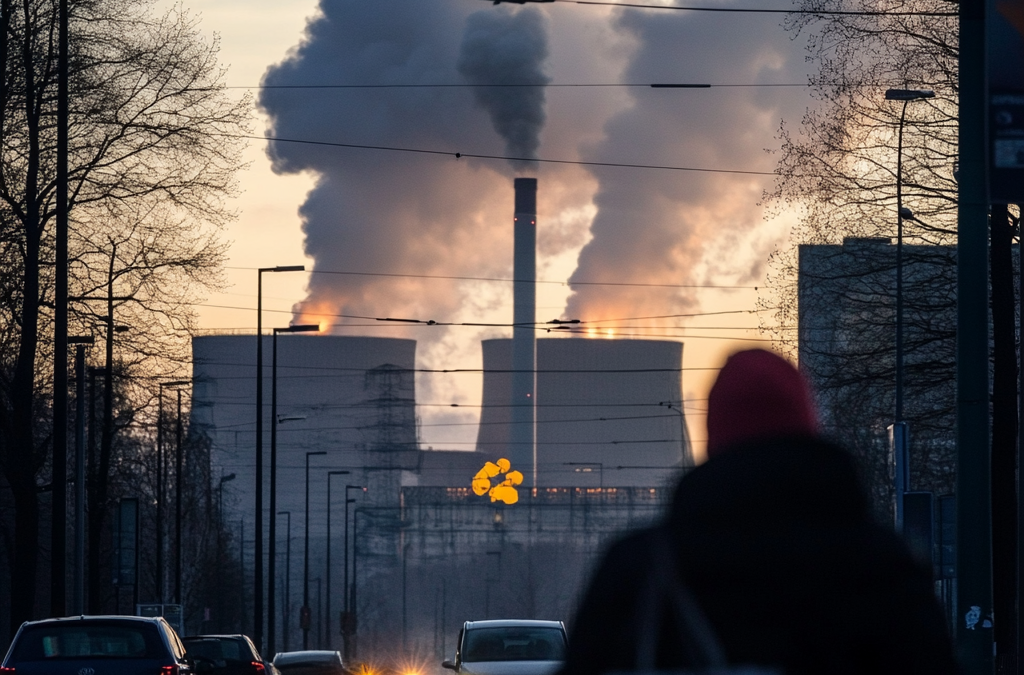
pixel 505 490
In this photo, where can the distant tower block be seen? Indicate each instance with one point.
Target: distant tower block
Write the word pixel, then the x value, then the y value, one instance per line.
pixel 522 451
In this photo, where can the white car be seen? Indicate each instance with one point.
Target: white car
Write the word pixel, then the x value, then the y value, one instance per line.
pixel 509 647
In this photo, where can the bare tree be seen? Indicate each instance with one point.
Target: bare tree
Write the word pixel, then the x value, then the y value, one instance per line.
pixel 153 149
pixel 840 168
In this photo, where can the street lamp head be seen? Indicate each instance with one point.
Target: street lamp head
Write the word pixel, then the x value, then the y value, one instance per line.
pixel 284 513
pixel 122 329
pixel 175 383
pixel 906 213
pixel 908 94
pixel 81 339
pixel 338 473
pixel 292 418
pixel 288 268
pixel 316 452
pixel 225 479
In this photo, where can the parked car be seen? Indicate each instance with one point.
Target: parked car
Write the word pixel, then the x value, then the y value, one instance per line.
pixel 104 645
pixel 310 662
pixel 509 647
pixel 226 655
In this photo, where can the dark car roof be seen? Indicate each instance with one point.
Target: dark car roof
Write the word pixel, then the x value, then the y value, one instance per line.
pixel 98 617
pixel 307 656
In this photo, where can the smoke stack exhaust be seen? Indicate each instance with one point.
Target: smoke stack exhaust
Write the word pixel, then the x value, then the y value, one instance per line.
pixel 522 446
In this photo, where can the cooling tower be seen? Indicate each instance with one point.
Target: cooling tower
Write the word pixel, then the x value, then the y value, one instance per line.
pixel 598 422
pixel 521 446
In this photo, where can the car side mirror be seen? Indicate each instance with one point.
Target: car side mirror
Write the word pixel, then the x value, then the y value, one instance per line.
pixel 450 665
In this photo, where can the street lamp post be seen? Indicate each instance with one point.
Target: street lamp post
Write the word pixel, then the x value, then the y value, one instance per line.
pixel 257 628
pixel 319 614
pixel 286 591
pixel 220 562
pixel 349 637
pixel 346 624
pixel 272 557
pixel 177 505
pixel 78 596
pixel 160 487
pixel 327 583
pixel 900 439
pixel 306 614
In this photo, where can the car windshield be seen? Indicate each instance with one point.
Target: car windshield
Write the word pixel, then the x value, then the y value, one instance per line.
pixel 88 640
pixel 218 649
pixel 514 644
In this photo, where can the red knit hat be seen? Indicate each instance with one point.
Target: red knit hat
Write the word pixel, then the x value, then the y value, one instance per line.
pixel 758 394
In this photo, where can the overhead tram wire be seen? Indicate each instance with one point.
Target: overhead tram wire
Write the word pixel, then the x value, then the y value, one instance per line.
pixel 753 10
pixel 321 368
pixel 503 158
pixel 374 406
pixel 546 85
pixel 460 424
pixel 544 325
pixel 511 280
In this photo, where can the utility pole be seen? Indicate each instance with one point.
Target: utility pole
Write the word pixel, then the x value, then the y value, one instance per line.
pixel 78 593
pixel 59 480
pixel 327 581
pixel 177 505
pixel 973 625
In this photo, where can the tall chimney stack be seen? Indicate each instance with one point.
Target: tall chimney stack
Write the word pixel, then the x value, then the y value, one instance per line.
pixel 522 439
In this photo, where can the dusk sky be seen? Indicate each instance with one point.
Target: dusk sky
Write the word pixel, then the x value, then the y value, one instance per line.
pixel 644 234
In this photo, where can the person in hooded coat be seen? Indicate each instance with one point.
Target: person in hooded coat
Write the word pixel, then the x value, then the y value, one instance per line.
pixel 773 538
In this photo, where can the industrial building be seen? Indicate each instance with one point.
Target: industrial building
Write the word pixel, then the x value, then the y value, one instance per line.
pixel 607 454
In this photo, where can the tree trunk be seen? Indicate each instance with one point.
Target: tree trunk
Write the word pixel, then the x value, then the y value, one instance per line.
pixel 21 459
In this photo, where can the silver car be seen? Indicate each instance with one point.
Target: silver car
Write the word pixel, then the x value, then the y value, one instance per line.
pixel 509 647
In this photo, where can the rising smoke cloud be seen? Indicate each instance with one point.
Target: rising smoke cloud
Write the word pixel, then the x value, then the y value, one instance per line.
pixel 509 48
pixel 408 214
pixel 405 214
pixel 659 229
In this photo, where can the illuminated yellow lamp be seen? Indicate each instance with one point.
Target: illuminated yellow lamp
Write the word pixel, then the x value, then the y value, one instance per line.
pixel 492 469
pixel 514 478
pixel 591 332
pixel 504 465
pixel 504 493
pixel 611 332
pixel 481 484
